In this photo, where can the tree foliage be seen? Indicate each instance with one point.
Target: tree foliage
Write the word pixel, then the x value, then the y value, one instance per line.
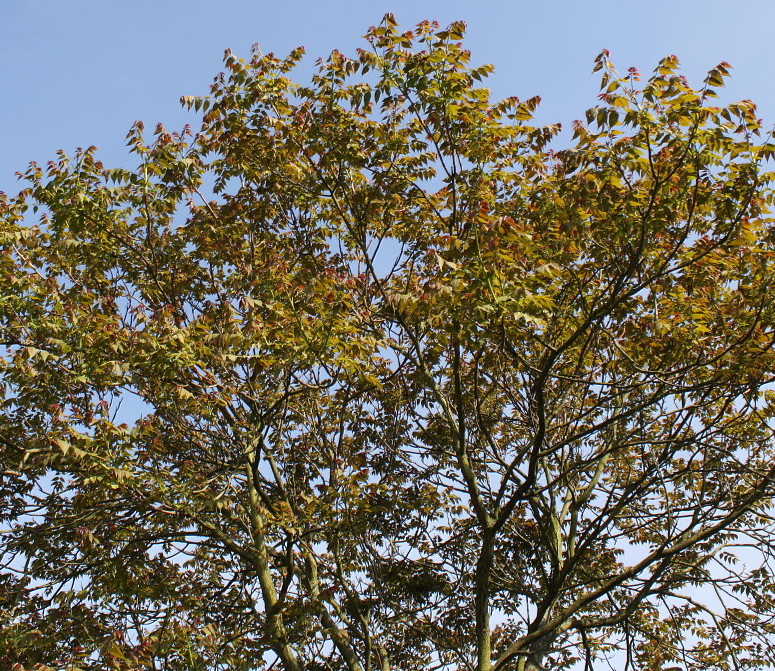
pixel 403 386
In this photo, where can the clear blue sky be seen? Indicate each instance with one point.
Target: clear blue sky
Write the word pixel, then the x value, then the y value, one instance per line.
pixel 79 72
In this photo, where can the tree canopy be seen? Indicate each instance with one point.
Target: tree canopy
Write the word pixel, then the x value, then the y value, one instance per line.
pixel 407 381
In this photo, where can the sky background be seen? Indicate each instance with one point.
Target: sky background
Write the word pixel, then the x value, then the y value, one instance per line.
pixel 80 72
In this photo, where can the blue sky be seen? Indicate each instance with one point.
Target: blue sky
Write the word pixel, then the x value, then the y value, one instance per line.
pixel 79 72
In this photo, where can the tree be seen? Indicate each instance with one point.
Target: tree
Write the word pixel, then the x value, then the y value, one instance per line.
pixel 405 387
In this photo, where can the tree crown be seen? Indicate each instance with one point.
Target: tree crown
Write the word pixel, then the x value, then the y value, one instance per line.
pixel 418 389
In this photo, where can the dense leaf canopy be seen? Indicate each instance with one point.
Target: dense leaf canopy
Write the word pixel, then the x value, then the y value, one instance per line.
pixel 367 374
